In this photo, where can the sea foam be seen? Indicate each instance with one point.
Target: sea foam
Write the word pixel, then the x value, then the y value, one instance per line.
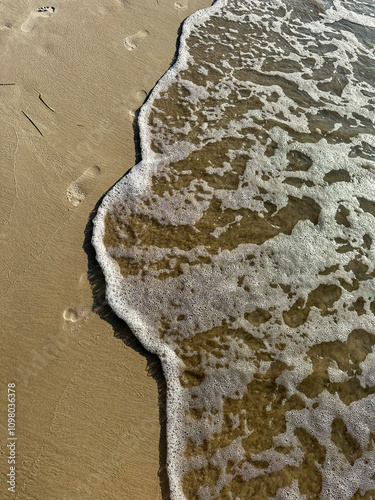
pixel 240 250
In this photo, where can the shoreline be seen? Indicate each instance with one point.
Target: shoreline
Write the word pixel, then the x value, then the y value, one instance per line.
pixel 89 408
pixel 170 363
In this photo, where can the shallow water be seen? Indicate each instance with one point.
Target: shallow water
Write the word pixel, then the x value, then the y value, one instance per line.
pixel 240 250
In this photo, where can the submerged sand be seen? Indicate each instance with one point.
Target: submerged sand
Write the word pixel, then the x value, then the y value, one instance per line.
pixel 89 398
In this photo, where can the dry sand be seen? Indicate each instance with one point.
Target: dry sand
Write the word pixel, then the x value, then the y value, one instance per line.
pixel 89 398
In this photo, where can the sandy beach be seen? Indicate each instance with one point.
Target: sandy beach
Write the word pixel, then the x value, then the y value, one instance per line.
pixel 89 398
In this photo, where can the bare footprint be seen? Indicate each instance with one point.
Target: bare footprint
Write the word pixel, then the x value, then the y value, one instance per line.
pixel 131 42
pixel 73 315
pixel 80 188
pixel 141 96
pixel 181 5
pixel 78 313
pixel 29 24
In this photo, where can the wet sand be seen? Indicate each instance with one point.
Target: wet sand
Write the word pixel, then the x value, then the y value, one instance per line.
pixel 89 401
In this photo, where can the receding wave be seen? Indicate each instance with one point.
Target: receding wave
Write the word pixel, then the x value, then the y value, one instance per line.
pixel 241 250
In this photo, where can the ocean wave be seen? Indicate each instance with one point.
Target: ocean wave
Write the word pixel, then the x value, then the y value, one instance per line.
pixel 240 250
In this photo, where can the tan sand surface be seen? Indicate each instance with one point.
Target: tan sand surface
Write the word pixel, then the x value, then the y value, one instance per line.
pixel 89 399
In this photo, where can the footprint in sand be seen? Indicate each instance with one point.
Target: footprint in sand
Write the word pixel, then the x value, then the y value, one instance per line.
pixel 75 317
pixel 131 42
pixel 80 188
pixel 29 24
pixel 79 313
pixel 72 315
pixel 140 96
pixel 181 5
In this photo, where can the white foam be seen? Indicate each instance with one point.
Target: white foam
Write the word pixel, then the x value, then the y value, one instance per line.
pixel 208 294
